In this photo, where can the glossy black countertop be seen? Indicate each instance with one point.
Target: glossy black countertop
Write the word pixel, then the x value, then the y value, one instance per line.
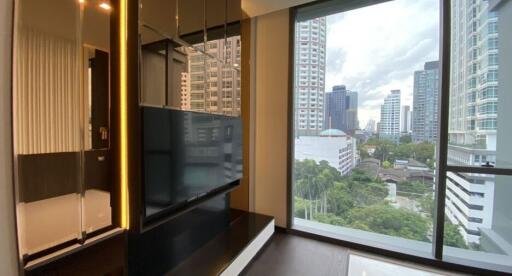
pixel 218 254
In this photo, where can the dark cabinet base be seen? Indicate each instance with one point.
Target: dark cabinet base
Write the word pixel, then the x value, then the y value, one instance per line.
pixel 107 257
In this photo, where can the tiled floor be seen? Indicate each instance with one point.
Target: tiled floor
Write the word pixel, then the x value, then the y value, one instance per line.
pixel 293 255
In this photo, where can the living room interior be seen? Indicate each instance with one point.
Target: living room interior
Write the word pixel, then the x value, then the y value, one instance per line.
pixel 255 137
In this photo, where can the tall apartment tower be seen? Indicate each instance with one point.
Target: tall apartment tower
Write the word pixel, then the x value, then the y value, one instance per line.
pixel 473 115
pixel 499 236
pixel 351 111
pixel 216 89
pixel 425 103
pixel 335 108
pixel 389 125
pixel 310 39
pixel 405 123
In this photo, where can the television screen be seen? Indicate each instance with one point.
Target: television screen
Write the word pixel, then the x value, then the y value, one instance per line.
pixel 187 155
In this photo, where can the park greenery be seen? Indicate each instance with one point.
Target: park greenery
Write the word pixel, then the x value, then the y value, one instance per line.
pixel 359 201
pixel 387 151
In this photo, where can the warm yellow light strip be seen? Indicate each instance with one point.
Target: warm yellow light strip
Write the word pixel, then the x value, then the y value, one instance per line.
pixel 123 40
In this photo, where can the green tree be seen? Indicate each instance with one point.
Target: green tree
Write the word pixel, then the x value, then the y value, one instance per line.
pixel 405 139
pixel 385 219
pixel 384 150
pixel 339 199
pixel 453 237
pixel 365 190
pixel 386 164
pixel 329 218
pixel 301 208
pixel 363 152
pixel 424 153
pixel 413 189
pixel 427 204
pixel 312 182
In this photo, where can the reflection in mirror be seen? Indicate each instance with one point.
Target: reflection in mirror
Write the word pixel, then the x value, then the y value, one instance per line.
pixel 162 68
pixel 214 85
pixel 46 122
pixel 60 120
pixel 97 187
pixel 183 72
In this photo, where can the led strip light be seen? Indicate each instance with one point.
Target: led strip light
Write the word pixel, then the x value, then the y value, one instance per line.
pixel 123 41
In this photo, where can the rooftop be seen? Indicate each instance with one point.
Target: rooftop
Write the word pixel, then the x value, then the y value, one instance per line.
pixel 332 133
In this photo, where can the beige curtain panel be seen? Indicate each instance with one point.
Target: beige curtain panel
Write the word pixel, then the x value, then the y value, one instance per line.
pixel 46 93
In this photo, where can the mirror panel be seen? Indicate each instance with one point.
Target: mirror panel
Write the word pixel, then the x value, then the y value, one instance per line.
pixel 96 160
pixel 46 119
pixel 179 72
pixel 61 102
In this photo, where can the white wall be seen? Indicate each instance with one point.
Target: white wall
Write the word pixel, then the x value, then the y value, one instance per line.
pixel 271 92
pixel 8 251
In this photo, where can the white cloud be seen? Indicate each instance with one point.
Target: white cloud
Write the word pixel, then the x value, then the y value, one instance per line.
pixel 375 49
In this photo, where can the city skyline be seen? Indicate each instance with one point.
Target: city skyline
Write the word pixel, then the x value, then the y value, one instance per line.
pixel 377 58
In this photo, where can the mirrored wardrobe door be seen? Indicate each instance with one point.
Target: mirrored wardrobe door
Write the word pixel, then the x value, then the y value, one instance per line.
pixel 46 101
pixel 96 156
pixel 61 100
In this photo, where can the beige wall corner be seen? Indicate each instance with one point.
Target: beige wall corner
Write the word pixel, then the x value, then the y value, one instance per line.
pixel 271 122
pixel 8 249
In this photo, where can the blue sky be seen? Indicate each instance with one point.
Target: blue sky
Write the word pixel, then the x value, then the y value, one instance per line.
pixel 375 49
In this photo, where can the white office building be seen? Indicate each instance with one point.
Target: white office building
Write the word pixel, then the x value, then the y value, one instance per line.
pixel 333 146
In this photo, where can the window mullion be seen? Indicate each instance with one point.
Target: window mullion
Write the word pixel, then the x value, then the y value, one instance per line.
pixel 442 141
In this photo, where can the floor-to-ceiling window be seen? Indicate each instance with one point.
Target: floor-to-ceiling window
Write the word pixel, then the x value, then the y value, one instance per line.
pixel 369 139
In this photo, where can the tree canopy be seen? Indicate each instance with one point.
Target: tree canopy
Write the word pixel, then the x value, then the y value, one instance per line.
pixel 359 201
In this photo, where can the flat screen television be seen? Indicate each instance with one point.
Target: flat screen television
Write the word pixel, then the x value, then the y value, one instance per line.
pixel 187 155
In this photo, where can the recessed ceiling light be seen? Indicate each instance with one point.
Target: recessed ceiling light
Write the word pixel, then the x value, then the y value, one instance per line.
pixel 105 6
pixel 81 1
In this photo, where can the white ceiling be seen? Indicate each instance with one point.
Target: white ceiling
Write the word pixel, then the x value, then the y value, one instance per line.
pixel 254 8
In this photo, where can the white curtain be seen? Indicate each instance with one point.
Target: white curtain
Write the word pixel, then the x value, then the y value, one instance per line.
pixel 46 93
pixel 46 115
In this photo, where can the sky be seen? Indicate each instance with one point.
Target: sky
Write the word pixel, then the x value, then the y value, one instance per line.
pixel 375 49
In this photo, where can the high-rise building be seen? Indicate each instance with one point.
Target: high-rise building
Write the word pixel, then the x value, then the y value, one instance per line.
pixel 370 126
pixel 405 124
pixel 310 39
pixel 498 238
pixel 351 111
pixel 389 125
pixel 425 103
pixel 473 115
pixel 215 89
pixel 335 116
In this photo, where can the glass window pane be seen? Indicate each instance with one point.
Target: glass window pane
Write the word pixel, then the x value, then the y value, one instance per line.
pixel 365 124
pixel 479 81
pixel 478 224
